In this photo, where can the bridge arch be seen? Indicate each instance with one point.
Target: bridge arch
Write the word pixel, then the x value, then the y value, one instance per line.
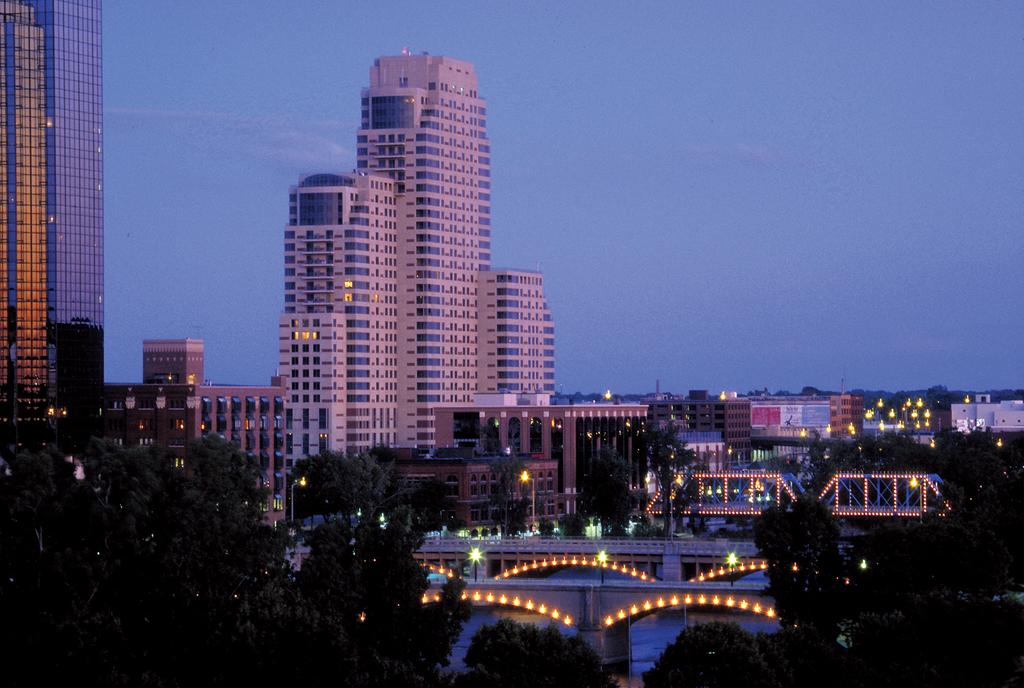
pixel 727 571
pixel 650 605
pixel 574 560
pixel 490 598
pixel 442 570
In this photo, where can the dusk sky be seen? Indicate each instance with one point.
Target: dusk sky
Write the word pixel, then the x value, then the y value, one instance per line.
pixel 723 196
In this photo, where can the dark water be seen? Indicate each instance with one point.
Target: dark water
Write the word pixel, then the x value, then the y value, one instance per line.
pixel 650 635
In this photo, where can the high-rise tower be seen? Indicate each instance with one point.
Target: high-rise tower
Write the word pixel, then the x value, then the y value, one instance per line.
pixel 424 125
pixel 51 226
pixel 391 306
pixel 337 344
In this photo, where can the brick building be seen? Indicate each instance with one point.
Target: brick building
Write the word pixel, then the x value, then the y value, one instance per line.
pixel 172 414
pixel 527 425
pixel 727 414
pixel 471 481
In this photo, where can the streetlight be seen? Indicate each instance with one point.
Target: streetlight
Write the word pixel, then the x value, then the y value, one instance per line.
pixel 524 477
pixel 863 565
pixel 602 558
pixel 475 556
pixel 732 560
pixel 301 482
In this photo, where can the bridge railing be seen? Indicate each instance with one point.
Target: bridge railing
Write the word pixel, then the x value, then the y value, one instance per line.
pixel 702 547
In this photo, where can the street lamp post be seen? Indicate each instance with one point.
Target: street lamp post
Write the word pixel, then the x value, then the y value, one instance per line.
pixel 301 482
pixel 629 649
pixel 602 558
pixel 525 477
pixel 475 555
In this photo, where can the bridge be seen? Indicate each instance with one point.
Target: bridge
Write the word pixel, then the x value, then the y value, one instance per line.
pixel 665 560
pixel 882 494
pixel 902 494
pixel 601 614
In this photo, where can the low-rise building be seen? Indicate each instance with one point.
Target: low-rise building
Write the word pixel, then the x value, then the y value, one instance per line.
pixel 823 415
pixel 169 411
pixel 528 425
pixel 472 483
pixel 708 447
pixel 981 414
pixel 727 414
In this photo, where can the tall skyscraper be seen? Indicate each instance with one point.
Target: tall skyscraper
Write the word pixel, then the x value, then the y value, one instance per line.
pixel 51 226
pixel 424 125
pixel 388 287
pixel 338 332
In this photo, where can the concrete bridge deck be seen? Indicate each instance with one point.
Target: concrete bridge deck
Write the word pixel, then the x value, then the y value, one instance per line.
pixel 671 560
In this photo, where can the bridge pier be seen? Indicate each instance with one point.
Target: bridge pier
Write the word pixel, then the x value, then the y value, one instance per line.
pixel 671 562
pixel 611 644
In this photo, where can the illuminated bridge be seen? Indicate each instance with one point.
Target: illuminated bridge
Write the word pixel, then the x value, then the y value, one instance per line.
pixel 903 494
pixel 601 613
pixel 665 560
pixel 882 494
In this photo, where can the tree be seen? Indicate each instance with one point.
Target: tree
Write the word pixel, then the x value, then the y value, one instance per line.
pixel 510 655
pixel 340 486
pixel 429 503
pixel 941 642
pixel 605 491
pixel 361 580
pixel 806 570
pixel 944 556
pixel 712 655
pixel 142 573
pixel 800 656
pixel 572 525
pixel 667 457
pixel 507 501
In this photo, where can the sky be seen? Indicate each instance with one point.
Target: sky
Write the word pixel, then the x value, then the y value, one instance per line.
pixel 721 195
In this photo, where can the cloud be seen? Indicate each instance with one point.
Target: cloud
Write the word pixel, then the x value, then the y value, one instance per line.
pixel 290 142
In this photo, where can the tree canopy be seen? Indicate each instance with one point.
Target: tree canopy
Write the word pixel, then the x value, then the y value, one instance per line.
pixel 509 655
pixel 605 491
pixel 136 572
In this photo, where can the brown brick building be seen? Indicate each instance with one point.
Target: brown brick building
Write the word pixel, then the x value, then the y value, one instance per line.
pixel 726 413
pixel 172 414
pixel 470 481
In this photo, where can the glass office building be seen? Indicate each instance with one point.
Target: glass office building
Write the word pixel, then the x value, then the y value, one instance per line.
pixel 51 225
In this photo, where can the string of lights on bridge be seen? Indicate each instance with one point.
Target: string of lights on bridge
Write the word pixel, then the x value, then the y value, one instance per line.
pixel 599 560
pixel 489 597
pixel 632 611
pixel 734 566
pixel 724 601
pixel 901 494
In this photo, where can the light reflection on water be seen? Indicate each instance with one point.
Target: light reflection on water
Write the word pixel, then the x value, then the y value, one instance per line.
pixel 650 635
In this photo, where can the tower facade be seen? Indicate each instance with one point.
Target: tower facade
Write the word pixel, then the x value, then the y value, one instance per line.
pixel 517 335
pixel 51 227
pixel 391 307
pixel 338 333
pixel 424 125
